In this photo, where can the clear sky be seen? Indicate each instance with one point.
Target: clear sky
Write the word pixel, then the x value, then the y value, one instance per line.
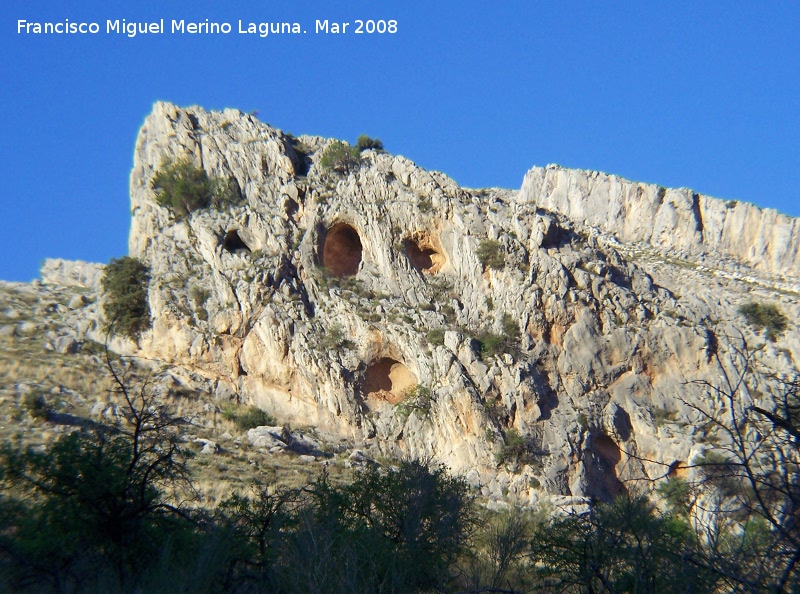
pixel 697 94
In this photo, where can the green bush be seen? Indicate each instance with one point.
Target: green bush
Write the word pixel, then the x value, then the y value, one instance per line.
pixel 125 285
pixel 334 339
pixel 677 493
pixel 364 143
pixel 761 316
pixel 490 254
pixel 98 507
pixel 510 327
pixel 418 398
pixel 249 418
pixel 253 417
pixel 516 449
pixel 412 522
pixel 183 188
pixel 36 404
pixel 340 157
pixel 490 344
pixel 623 546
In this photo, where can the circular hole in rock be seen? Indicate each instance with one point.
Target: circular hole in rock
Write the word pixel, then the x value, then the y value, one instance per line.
pixel 389 380
pixel 341 251
pixel 423 255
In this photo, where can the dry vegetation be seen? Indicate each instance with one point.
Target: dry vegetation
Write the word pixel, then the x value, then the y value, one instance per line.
pixel 78 388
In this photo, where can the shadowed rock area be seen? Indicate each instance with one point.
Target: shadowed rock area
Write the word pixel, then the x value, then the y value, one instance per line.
pixel 423 255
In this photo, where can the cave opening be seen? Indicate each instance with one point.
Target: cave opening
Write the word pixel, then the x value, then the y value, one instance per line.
pixel 342 250
pixel 605 483
pixel 424 255
pixel 233 243
pixel 678 469
pixel 388 379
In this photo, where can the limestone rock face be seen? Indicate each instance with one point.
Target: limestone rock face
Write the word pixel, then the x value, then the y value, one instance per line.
pixel 416 318
pixel 676 220
pixel 72 273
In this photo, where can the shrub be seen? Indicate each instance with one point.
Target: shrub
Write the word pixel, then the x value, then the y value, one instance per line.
pixel 436 336
pixel 183 188
pixel 98 507
pixel 414 520
pixel 510 327
pixel 364 143
pixel 490 344
pixel 125 285
pixel 761 316
pixel 623 546
pixel 334 339
pixel 417 398
pixel 36 405
pixel 490 254
pixel 200 295
pixel 253 417
pixel 340 157
pixel 516 449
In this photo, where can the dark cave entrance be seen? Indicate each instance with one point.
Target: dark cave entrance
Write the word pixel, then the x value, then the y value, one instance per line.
pixel 389 380
pixel 342 250
pixel 233 243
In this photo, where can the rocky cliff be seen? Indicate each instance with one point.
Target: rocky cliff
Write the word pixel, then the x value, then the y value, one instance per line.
pixel 680 221
pixel 544 341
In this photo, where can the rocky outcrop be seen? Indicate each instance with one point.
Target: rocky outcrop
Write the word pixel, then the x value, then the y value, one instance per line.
pixel 411 317
pixel 675 220
pixel 72 273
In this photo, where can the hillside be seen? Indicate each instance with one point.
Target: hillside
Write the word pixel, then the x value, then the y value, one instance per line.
pixel 552 342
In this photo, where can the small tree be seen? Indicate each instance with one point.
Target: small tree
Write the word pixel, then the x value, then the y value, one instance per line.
pixel 100 500
pixel 125 283
pixel 364 143
pixel 392 530
pixel 341 158
pixel 749 482
pixel 624 546
pixel 183 188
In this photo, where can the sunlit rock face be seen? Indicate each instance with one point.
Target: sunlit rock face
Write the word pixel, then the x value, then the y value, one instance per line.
pixel 394 309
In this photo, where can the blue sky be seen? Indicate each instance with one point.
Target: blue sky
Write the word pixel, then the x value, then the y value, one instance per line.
pixel 697 94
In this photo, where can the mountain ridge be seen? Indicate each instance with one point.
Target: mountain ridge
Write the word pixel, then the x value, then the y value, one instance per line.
pixel 410 317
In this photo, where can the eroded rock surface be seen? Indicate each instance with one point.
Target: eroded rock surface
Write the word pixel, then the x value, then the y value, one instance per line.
pixel 358 304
